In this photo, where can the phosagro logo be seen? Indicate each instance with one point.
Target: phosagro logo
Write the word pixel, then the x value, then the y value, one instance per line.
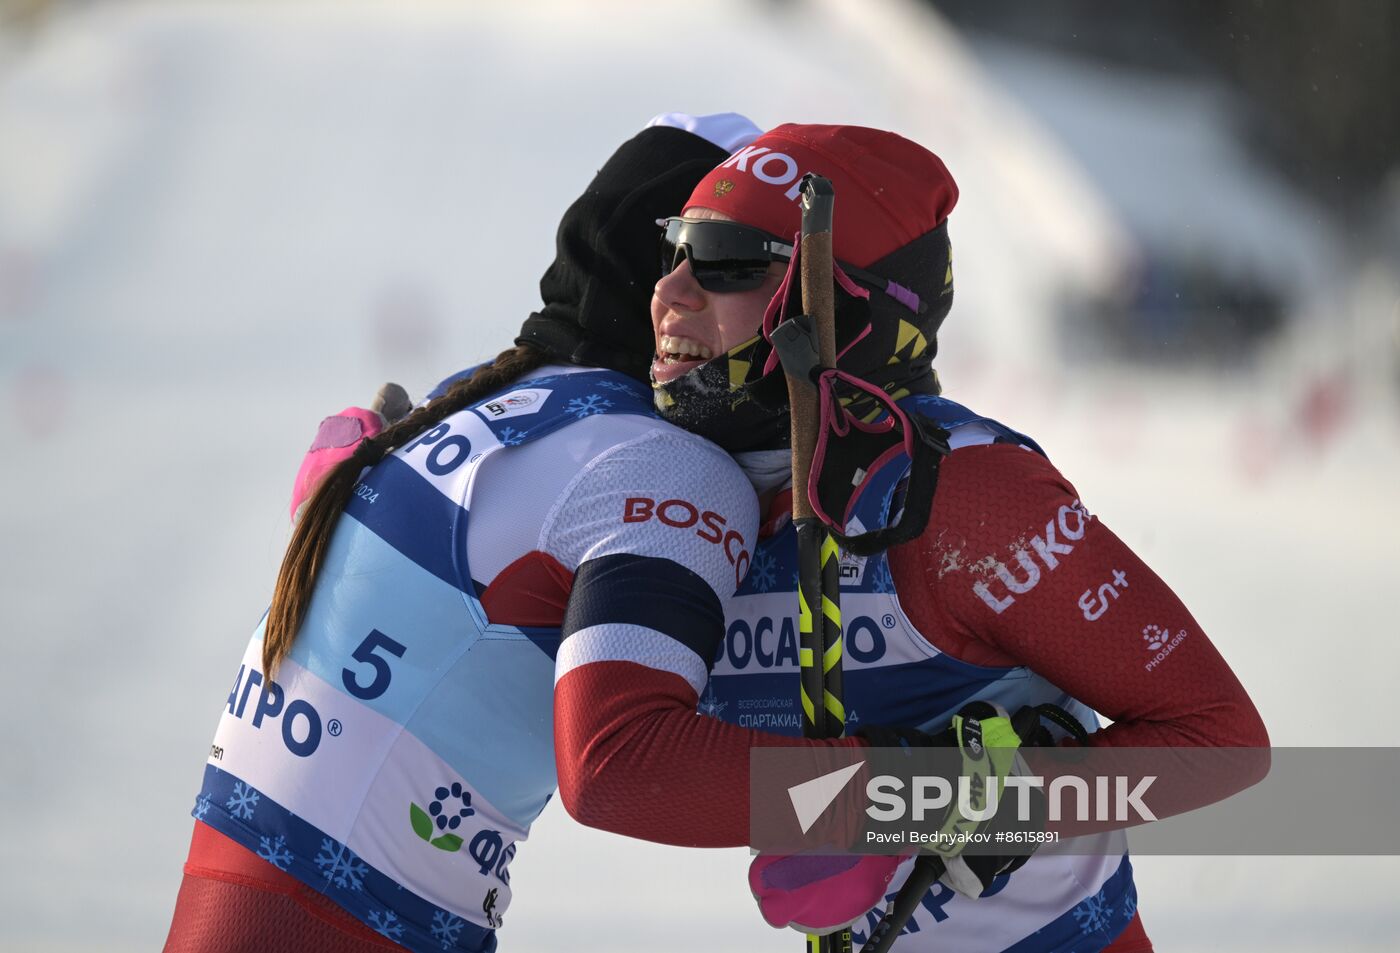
pixel 1158 639
pixel 766 642
pixel 299 719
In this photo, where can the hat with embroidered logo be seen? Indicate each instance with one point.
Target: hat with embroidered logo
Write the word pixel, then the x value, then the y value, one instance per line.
pixel 889 190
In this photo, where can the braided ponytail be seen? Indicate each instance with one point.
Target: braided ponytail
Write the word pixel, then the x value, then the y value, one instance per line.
pixel 311 538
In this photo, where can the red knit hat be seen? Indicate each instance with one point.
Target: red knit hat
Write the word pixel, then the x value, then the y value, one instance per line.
pixel 889 191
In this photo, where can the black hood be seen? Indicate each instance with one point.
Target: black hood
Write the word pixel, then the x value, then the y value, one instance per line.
pixel 597 293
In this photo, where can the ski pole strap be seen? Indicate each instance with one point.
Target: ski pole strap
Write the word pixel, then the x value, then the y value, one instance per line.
pixel 988 742
pixel 988 746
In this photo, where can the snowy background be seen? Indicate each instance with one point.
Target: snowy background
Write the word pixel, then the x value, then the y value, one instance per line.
pixel 219 223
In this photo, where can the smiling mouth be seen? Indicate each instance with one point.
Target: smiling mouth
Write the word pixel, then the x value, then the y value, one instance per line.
pixel 676 356
pixel 678 350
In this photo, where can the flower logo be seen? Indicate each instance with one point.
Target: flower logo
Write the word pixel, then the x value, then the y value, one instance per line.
pixel 449 807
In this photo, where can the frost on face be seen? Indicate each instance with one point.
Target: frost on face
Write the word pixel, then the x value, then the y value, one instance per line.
pixel 386 925
pixel 581 407
pixel 242 801
pixel 340 866
pixel 275 852
pixel 446 927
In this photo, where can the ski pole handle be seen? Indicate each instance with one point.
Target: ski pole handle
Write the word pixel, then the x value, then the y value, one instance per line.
pixel 818 279
pixel 818 201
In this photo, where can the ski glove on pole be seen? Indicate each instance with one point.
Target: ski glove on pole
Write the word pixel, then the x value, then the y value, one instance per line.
pixel 338 436
pixel 820 894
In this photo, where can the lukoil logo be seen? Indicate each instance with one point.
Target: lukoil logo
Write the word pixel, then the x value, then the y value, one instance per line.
pixel 769 167
pixel 1070 521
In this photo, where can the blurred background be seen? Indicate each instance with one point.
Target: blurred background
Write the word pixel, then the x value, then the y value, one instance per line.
pixel 1178 260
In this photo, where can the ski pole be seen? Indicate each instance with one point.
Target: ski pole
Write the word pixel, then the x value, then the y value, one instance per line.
pixel 927 869
pixel 806 344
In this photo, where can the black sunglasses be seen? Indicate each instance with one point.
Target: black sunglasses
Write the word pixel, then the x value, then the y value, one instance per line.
pixel 725 256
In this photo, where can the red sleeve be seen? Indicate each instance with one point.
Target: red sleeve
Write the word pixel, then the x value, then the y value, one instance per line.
pixel 635 758
pixel 1013 570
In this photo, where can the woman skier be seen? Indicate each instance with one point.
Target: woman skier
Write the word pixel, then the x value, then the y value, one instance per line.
pixel 972 571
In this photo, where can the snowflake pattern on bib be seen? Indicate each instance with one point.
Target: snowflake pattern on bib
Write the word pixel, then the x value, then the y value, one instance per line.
pixel 340 866
pixel 1093 914
pixel 242 801
pixel 445 928
pixel 581 407
pixel 387 924
pixel 275 852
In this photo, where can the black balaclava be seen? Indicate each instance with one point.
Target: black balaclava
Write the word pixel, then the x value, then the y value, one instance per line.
pixel 597 293
pixel 739 399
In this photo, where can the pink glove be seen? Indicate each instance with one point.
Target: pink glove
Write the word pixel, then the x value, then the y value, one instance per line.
pixel 338 436
pixel 819 894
